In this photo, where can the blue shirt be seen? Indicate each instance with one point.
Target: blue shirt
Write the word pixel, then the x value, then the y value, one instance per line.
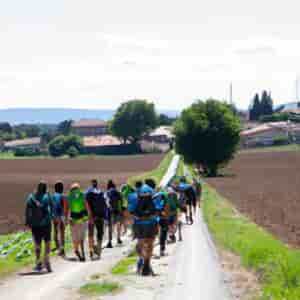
pixel 57 205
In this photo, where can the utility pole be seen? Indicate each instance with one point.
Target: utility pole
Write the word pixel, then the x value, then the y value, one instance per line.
pixel 230 94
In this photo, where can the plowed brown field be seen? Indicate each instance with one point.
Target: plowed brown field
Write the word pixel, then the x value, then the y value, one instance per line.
pixel 266 187
pixel 19 177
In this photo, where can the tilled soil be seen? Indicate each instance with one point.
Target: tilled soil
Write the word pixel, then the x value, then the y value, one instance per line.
pixel 19 177
pixel 266 187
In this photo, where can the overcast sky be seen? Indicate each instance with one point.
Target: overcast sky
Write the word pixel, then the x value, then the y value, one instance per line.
pixel 96 53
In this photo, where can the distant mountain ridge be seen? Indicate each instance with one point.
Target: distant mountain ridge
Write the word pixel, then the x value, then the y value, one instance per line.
pixel 56 115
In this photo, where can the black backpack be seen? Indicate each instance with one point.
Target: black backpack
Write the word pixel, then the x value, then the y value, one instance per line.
pixel 145 206
pixel 97 204
pixel 190 193
pixel 115 198
pixel 35 212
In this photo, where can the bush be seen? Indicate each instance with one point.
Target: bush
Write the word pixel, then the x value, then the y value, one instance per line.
pixel 72 152
pixel 20 152
pixel 61 144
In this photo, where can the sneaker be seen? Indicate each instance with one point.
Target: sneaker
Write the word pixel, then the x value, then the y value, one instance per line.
pixel 109 245
pixel 48 267
pixel 162 253
pixel 78 255
pixel 147 271
pixel 38 267
pixel 120 242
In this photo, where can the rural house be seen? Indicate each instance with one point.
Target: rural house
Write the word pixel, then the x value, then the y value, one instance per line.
pixel 107 144
pixel 162 134
pixel 89 127
pixel 30 143
pixel 266 134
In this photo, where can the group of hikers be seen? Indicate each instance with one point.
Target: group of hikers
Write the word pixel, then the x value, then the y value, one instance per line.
pixel 148 210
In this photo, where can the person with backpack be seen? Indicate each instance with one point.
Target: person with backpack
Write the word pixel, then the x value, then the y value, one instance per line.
pixel 126 190
pixel 58 205
pixel 96 201
pixel 79 212
pixel 38 219
pixel 114 200
pixel 173 214
pixel 145 225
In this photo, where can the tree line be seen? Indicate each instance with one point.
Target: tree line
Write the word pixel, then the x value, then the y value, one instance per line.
pixel 261 106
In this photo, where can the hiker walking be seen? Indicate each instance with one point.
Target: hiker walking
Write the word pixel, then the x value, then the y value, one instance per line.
pixel 142 207
pixel 38 219
pixel 79 212
pixel 58 204
pixel 114 200
pixel 174 207
pixel 96 201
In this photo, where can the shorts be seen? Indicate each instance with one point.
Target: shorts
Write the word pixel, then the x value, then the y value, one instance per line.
pixel 188 202
pixel 145 231
pixel 78 231
pixel 183 208
pixel 41 234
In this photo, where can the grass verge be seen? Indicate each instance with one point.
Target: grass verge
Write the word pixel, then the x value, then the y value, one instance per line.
pixel 124 265
pixel 158 173
pixel 277 266
pixel 291 147
pixel 100 288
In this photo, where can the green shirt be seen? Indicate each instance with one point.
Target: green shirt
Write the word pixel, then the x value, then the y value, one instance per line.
pixel 77 206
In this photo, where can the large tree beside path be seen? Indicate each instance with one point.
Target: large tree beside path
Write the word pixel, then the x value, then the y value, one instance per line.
pixel 133 119
pixel 207 134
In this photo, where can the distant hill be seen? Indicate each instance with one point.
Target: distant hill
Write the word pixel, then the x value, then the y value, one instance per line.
pixel 56 115
pixel 284 106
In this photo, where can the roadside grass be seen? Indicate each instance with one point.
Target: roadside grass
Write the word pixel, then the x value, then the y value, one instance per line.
pixel 291 147
pixel 277 266
pixel 17 251
pixel 100 288
pixel 156 174
pixel 10 155
pixel 124 265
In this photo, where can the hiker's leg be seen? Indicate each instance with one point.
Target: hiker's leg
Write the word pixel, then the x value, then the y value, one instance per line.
pixel 56 228
pixel 100 233
pixel 62 237
pixel 37 245
pixel 163 236
pixel 83 229
pixel 91 227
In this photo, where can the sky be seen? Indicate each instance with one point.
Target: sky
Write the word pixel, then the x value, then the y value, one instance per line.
pixel 97 54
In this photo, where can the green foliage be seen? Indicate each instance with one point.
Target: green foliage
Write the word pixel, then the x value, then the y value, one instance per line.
pixel 207 133
pixel 278 266
pixel 21 152
pixel 164 120
pixel 61 144
pixel 280 117
pixel 123 266
pixel 26 130
pixel 100 288
pixel 5 127
pixel 72 152
pixel 64 127
pixel 132 120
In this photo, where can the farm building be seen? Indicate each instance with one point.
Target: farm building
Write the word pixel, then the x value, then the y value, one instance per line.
pixel 267 134
pixel 89 127
pixel 30 143
pixel 162 134
pixel 107 144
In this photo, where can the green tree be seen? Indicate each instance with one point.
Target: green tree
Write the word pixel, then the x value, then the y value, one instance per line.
pixel 72 152
pixel 61 144
pixel 207 134
pixel 164 120
pixel 266 104
pixel 5 127
pixel 255 108
pixel 132 120
pixel 65 127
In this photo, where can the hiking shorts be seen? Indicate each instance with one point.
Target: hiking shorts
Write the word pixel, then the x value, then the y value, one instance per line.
pixel 40 234
pixel 116 218
pixel 145 231
pixel 78 231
